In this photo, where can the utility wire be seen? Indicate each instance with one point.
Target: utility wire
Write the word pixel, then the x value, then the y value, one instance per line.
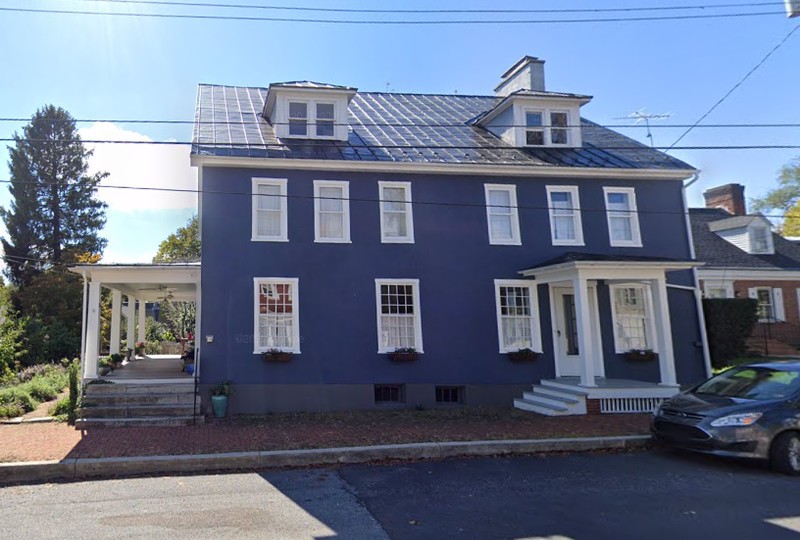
pixel 338 144
pixel 439 22
pixel 400 124
pixel 196 191
pixel 735 86
pixel 433 11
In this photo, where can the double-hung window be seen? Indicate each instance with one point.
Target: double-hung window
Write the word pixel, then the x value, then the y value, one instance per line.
pixel 331 211
pixel 517 315
pixel 269 210
pixel 770 303
pixel 559 127
pixel 277 323
pixel 759 240
pixel 501 214
pixel 534 128
pixel 565 215
pixel 325 119
pixel 633 320
pixel 623 220
pixel 399 322
pixel 298 118
pixel 397 222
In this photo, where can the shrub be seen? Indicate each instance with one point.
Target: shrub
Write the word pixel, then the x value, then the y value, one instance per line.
pixel 153 347
pixel 729 322
pixel 15 401
pixel 41 389
pixel 61 408
pixel 74 390
pixel 39 370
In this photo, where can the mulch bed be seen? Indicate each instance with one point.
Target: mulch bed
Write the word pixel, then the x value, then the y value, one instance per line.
pixel 33 442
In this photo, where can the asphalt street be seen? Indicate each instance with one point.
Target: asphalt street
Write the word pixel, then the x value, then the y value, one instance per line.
pixel 587 496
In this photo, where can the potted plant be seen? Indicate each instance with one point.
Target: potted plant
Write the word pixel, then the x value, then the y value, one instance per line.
pixel 404 354
pixel 139 349
pixel 641 355
pixel 523 355
pixel 277 355
pixel 219 398
pixel 115 360
pixel 104 366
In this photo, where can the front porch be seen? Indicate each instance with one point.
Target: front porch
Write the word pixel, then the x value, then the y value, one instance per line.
pixel 151 369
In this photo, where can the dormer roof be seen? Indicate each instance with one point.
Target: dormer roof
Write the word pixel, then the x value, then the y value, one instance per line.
pixel 738 222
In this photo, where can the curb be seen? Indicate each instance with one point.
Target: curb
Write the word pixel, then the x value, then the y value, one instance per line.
pixel 84 468
pixel 22 420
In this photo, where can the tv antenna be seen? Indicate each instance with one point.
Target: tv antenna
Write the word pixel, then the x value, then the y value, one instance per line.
pixel 643 116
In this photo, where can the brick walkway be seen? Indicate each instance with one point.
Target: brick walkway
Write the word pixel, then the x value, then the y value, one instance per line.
pixel 33 442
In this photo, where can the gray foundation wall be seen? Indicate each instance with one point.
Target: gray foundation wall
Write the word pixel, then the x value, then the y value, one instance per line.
pixel 271 398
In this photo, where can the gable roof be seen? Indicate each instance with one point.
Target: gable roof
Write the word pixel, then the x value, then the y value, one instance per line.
pixel 395 127
pixel 719 253
pixel 735 222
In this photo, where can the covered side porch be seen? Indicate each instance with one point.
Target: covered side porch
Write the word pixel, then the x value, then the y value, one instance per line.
pixel 131 288
pixel 606 312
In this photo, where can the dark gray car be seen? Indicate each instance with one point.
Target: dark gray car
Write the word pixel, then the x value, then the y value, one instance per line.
pixel 750 411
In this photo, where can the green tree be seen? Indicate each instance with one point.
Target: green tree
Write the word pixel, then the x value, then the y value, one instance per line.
pixel 785 198
pixel 53 207
pixel 181 246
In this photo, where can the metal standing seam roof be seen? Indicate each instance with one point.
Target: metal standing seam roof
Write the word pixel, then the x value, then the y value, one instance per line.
pixel 397 127
pixel 719 253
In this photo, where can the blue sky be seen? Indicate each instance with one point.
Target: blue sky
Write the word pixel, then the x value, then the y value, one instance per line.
pixel 105 67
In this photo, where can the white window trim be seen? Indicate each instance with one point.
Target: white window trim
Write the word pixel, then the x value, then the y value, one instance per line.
pixel 567 128
pixel 542 128
pixel 409 238
pixel 576 207
pixel 546 127
pixel 289 119
pixel 636 241
pixel 417 311
pixel 515 239
pixel 345 187
pixel 332 121
pixel 294 282
pixel 648 311
pixel 751 237
pixel 282 183
pixel 536 334
pixel 311 118
pixel 727 285
pixel 776 302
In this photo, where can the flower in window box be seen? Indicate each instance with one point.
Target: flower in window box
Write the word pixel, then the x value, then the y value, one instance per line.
pixel 523 355
pixel 404 354
pixel 277 355
pixel 641 354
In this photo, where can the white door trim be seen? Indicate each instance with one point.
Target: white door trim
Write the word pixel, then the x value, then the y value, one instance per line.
pixel 596 338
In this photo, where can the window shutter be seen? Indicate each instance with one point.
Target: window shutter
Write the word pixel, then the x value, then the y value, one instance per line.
pixel 777 300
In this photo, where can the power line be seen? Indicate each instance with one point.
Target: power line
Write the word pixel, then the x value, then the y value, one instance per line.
pixel 197 191
pixel 338 144
pixel 399 124
pixel 735 86
pixel 432 11
pixel 439 22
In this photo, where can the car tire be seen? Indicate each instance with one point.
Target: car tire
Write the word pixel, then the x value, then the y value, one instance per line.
pixel 785 453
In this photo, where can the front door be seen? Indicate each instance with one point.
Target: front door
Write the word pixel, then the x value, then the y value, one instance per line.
pixel 565 329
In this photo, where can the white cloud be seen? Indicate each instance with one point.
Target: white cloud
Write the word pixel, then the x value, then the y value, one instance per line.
pixel 140 165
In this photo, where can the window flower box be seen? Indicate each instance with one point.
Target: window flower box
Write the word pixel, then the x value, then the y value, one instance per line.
pixel 523 355
pixel 404 354
pixel 277 355
pixel 641 355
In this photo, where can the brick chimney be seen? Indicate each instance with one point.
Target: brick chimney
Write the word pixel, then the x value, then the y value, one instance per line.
pixel 526 74
pixel 729 197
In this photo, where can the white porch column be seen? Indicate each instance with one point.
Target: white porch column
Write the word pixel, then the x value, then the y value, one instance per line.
pixel 141 336
pixel 666 356
pixel 91 358
pixel 130 316
pixel 116 316
pixel 584 323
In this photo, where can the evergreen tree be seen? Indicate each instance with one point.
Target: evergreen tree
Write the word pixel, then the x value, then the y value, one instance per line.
pixel 53 206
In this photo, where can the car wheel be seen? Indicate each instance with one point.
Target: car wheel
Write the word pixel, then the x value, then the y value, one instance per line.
pixel 785 453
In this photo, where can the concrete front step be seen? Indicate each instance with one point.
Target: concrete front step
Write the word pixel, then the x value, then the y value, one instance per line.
pixel 540 407
pixel 551 398
pixel 139 411
pixel 92 422
pixel 102 400
pixel 137 389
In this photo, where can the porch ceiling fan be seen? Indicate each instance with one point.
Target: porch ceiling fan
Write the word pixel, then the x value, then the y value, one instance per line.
pixel 168 292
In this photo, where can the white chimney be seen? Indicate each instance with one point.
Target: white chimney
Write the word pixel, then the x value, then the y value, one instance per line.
pixel 526 74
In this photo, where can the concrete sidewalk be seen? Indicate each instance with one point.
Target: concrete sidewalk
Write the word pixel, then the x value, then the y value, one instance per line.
pixel 84 468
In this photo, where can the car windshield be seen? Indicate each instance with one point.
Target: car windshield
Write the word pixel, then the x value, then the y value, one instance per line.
pixel 752 383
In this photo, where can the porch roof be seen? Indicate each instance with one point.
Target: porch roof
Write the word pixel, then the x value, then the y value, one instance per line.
pixel 149 282
pixel 611 264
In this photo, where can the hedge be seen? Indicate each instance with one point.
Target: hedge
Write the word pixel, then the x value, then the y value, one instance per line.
pixel 729 322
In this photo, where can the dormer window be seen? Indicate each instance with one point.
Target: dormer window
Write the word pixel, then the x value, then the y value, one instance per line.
pixel 559 124
pixel 534 128
pixel 546 128
pixel 759 240
pixel 308 110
